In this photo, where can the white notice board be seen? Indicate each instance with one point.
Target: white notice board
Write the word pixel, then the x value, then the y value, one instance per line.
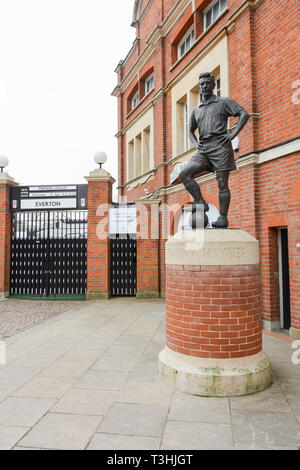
pixel 122 219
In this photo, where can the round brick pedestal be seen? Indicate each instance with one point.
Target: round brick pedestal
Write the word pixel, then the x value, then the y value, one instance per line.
pixel 214 327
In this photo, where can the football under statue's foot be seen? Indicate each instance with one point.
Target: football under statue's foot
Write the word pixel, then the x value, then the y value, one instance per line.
pixel 221 222
pixel 203 203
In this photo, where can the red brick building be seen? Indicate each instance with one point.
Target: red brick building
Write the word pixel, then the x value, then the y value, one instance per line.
pixel 251 48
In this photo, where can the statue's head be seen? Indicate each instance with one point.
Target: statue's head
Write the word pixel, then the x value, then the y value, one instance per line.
pixel 206 84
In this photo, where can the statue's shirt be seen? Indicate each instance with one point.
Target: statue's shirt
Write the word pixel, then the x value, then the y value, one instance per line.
pixel 211 117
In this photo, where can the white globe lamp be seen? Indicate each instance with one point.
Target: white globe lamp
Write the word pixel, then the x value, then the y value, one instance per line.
pixel 3 162
pixel 100 158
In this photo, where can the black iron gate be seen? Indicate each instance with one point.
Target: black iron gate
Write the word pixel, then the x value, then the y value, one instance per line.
pixel 123 265
pixel 48 252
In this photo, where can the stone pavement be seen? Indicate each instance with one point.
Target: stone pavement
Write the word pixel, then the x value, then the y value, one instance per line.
pixel 87 379
pixel 17 315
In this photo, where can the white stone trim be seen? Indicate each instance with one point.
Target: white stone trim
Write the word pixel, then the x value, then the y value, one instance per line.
pixel 251 159
pixel 279 151
pixel 269 325
pixel 141 180
pixel 8 180
pixel 226 247
pixel 100 175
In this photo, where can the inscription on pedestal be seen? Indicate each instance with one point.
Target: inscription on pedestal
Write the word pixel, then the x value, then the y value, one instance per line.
pixel 199 248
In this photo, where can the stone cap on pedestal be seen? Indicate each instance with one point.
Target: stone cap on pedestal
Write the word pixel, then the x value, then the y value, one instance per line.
pixel 8 180
pixel 148 201
pixel 215 247
pixel 100 175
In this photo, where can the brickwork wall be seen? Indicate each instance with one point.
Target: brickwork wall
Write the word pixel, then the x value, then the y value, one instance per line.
pixel 279 205
pixel 214 311
pixel 262 60
pixel 148 250
pixel 276 60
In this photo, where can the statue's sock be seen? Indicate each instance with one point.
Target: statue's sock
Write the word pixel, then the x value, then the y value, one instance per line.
pixel 193 188
pixel 224 201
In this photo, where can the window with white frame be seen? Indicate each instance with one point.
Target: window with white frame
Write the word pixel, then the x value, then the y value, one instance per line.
pixel 149 83
pixel 218 85
pixel 186 42
pixel 139 154
pixel 135 100
pixel 213 11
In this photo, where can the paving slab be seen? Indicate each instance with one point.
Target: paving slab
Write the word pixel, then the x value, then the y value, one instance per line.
pixel 17 375
pixel 66 369
pixel 62 432
pixel 17 411
pixel 268 400
pixel 145 372
pixel 155 393
pixel 199 409
pixel 291 388
pixel 87 402
pixel 91 344
pixel 102 380
pixel 12 354
pixel 285 369
pixel 45 387
pixel 135 419
pixel 68 338
pixel 82 355
pixel 295 405
pixel 181 435
pixel 115 442
pixel 27 448
pixel 265 429
pixel 10 435
pixel 135 350
pixel 37 359
pixel 6 390
pixel 116 363
pixel 132 339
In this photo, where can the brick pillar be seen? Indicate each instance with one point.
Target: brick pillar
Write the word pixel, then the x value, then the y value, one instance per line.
pixel 98 251
pixel 214 326
pixel 5 233
pixel 148 249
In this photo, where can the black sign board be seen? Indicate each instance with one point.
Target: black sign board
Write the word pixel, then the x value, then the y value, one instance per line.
pixel 50 197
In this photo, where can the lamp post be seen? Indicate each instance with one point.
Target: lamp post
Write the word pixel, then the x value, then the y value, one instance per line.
pixel 100 158
pixel 3 162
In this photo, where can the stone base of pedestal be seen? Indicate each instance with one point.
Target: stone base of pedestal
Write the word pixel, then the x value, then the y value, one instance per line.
pixel 295 333
pixel 215 377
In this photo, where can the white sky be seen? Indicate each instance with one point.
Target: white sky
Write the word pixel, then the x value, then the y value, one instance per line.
pixel 57 62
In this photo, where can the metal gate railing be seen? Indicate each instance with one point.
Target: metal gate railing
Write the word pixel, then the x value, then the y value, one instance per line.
pixel 48 253
pixel 123 265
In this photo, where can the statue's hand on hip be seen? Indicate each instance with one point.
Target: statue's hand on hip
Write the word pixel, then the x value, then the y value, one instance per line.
pixel 201 147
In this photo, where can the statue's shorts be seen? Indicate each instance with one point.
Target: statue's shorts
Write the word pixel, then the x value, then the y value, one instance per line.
pixel 214 156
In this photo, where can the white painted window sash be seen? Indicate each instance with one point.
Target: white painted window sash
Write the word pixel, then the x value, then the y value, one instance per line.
pixel 212 12
pixel 149 84
pixel 186 42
